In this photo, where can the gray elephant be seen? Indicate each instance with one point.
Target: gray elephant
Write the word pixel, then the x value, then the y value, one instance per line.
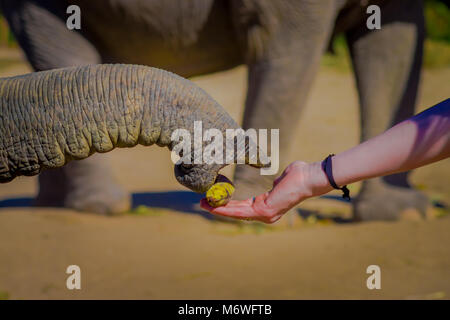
pixel 49 118
pixel 281 42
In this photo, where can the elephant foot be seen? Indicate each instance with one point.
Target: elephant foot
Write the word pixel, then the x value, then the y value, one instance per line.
pixel 86 186
pixel 104 200
pixel 388 202
pixel 249 183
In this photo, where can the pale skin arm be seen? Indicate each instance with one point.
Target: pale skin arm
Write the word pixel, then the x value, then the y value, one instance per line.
pixel 415 142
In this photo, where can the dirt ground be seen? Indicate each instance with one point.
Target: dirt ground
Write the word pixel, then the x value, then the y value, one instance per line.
pixel 170 250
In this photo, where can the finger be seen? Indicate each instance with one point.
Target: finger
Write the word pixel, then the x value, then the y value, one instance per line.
pixel 205 205
pixel 235 212
pixel 237 204
pixel 277 180
pixel 233 203
pixel 283 174
pixel 281 196
pixel 244 209
pixel 247 202
pixel 236 207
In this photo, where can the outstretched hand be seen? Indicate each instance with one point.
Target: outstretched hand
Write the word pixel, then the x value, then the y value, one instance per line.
pixel 298 182
pixel 397 150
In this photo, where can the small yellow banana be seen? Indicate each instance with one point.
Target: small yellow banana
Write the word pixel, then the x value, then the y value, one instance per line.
pixel 220 192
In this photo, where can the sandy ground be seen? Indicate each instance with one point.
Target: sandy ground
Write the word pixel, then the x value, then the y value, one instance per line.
pixel 169 251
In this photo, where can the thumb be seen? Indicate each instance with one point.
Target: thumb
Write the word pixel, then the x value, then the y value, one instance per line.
pixel 278 180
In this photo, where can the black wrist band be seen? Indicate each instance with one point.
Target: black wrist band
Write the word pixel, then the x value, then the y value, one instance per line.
pixel 327 167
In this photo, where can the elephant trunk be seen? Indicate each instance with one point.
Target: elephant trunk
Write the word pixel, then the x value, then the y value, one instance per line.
pixel 49 118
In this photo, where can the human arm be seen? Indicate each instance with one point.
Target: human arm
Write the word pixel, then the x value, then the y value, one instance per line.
pixel 415 142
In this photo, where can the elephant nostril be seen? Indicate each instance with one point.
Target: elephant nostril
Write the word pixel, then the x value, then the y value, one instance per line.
pixel 186 167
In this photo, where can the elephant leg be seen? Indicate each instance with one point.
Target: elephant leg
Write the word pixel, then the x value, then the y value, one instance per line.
pixel 89 185
pixel 283 54
pixel 387 65
pixel 86 185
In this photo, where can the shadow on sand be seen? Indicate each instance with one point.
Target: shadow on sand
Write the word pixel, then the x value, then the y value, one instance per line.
pixel 188 202
pixel 182 201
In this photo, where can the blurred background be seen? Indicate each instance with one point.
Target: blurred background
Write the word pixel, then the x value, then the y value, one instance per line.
pixel 166 247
